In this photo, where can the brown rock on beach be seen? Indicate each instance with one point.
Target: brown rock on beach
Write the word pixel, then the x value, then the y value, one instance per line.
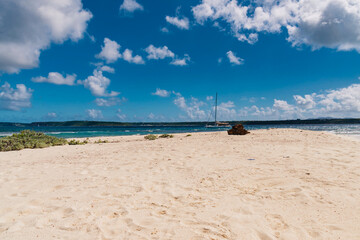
pixel 238 130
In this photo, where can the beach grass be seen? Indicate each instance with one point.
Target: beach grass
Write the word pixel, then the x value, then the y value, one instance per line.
pixel 101 141
pixel 166 136
pixel 29 139
pixel 151 137
pixel 77 142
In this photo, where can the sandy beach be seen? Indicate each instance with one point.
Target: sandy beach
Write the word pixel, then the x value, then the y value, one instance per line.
pixel 270 184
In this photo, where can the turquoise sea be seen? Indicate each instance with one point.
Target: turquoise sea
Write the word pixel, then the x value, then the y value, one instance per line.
pixel 71 132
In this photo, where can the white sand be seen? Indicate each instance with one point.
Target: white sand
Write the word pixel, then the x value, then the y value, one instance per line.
pixel 301 185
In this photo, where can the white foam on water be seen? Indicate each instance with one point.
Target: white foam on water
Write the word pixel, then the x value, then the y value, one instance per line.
pixel 5 134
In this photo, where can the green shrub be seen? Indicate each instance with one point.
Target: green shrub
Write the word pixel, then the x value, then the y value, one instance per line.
pixel 77 142
pixel 101 141
pixel 189 135
pixel 166 136
pixel 29 139
pixel 150 137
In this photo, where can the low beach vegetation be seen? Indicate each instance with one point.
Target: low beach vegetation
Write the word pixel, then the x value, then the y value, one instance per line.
pixel 77 142
pixel 101 141
pixel 150 137
pixel 29 139
pixel 166 136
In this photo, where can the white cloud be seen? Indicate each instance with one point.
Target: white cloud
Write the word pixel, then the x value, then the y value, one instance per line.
pixel 233 59
pixel 97 84
pixel 107 69
pixel 127 56
pixel 192 109
pixel 28 27
pixel 94 114
pixel 282 105
pixel 131 6
pixel 182 23
pixel 164 30
pixel 228 104
pixel 102 102
pixel 226 111
pixel 339 103
pixel 181 61
pixel 15 99
pixel 56 78
pixel 161 93
pixel 327 23
pixel 159 52
pixel 109 51
pixel 305 102
pixel 262 112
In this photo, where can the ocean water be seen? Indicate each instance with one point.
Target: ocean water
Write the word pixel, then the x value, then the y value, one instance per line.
pixel 72 132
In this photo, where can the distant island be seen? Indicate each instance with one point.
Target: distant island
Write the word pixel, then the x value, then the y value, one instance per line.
pixel 137 124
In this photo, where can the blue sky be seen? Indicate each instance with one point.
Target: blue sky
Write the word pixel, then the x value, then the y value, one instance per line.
pixel 164 60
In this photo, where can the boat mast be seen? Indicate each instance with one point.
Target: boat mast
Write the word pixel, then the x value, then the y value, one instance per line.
pixel 215 107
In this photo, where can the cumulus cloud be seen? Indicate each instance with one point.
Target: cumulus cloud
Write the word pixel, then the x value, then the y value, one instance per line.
pixel 181 61
pixel 107 69
pixel 341 102
pixel 103 102
pixel 327 23
pixel 226 110
pixel 338 103
pixel 159 52
pixel 56 78
pixel 98 84
pixel 131 6
pixel 306 102
pixel 28 27
pixel 15 98
pixel 182 23
pixel 233 59
pixel 109 51
pixel 127 56
pixel 161 93
pixel 282 105
pixel 94 114
pixel 192 108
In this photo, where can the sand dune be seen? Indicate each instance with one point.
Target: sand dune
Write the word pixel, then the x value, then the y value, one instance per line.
pixel 300 185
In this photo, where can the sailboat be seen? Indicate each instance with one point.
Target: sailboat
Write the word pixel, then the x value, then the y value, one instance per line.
pixel 216 123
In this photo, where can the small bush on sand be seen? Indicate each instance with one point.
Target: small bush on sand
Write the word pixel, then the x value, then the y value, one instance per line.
pixel 29 139
pixel 189 135
pixel 150 137
pixel 101 141
pixel 77 142
pixel 166 136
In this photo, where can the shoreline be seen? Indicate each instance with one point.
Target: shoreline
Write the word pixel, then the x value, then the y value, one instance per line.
pixel 269 184
pixel 183 134
pixel 354 136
